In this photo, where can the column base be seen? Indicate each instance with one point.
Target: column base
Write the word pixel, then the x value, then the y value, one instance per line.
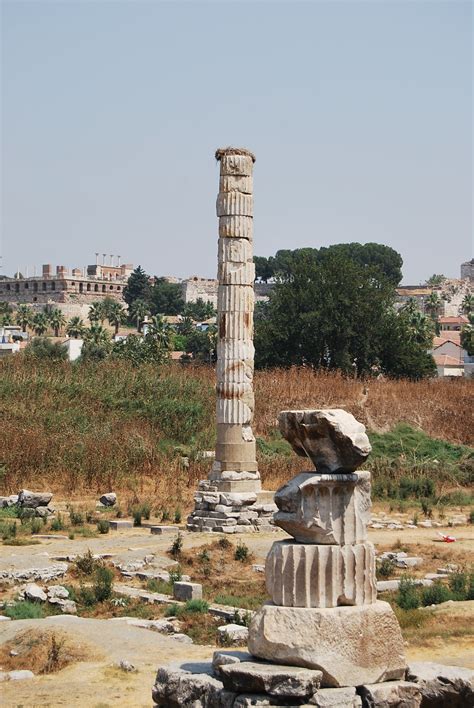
pixel 350 645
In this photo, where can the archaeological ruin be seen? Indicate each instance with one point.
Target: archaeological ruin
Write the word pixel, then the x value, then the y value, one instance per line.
pixel 231 498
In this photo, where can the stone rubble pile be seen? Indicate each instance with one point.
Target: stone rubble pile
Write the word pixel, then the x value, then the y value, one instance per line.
pixel 230 500
pixel 53 594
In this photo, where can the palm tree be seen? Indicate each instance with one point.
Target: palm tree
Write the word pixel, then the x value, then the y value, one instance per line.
pixel 116 315
pixel 57 321
pixel 96 334
pixel 161 331
pixel 186 326
pixel 467 305
pixel 75 327
pixel 6 319
pixel 139 310
pixel 24 317
pixel 40 323
pixel 433 304
pixel 95 312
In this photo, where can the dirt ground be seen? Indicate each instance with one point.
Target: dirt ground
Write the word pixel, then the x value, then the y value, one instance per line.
pixel 98 683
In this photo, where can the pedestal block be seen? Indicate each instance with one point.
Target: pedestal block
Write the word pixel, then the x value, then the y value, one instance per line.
pixel 350 645
pixel 307 575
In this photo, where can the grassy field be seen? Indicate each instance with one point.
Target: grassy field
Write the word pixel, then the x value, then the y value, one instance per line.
pixel 79 429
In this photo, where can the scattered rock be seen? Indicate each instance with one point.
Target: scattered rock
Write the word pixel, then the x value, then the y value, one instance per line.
pixel 44 511
pixel 337 698
pixel 32 500
pixel 332 438
pixel 158 530
pixel 281 681
pixel 4 618
pixel 109 499
pixel 232 635
pixel 57 591
pixel 20 675
pixel 68 607
pixel 187 591
pixel 126 665
pixel 34 593
pixel 390 694
pixel 221 658
pixel 183 638
pixel 116 525
pixel 440 685
pixel 194 685
pixel 6 502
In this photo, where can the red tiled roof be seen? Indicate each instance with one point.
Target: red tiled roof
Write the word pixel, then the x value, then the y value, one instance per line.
pixel 450 336
pixel 445 360
pixel 453 320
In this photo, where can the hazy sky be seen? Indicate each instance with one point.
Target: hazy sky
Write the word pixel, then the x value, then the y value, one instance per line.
pixel 360 115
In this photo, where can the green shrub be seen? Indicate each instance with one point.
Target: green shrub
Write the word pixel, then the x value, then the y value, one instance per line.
pixel 44 348
pixel 25 515
pixel 426 508
pixel 241 552
pixel 86 596
pixel 76 518
pixel 161 586
pixel 137 517
pixel 103 583
pixel 24 609
pixel 196 606
pixel 471 516
pixel 172 610
pixel 8 531
pixel 86 564
pixel 36 526
pixel 461 585
pixel 176 575
pixel 224 543
pixel 435 594
pixel 177 516
pixel 165 515
pixel 385 568
pixel 57 524
pixel 408 596
pixel 103 526
pixel 177 546
pixel 146 510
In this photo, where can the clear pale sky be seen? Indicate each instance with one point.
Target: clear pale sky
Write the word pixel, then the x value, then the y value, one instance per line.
pixel 360 115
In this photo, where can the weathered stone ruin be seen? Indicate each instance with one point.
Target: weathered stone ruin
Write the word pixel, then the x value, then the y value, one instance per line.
pixel 231 499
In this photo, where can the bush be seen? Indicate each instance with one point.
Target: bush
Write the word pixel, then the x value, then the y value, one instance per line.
pixel 86 596
pixel 196 606
pixel 57 524
pixel 86 564
pixel 137 517
pixel 103 526
pixel 24 609
pixel 435 594
pixel 241 553
pixel 461 585
pixel 76 517
pixel 177 546
pixel 44 348
pixel 408 597
pixel 146 510
pixel 385 568
pixel 165 515
pixel 177 516
pixel 8 531
pixel 175 575
pixel 104 579
pixel 172 610
pixel 224 543
pixel 36 526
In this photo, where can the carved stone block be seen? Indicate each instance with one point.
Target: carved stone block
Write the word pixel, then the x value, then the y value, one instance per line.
pixel 309 575
pixel 325 508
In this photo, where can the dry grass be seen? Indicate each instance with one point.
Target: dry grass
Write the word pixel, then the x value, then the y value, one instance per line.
pixel 42 652
pixel 79 430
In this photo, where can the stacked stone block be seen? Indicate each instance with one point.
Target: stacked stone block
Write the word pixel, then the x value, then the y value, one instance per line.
pixel 230 499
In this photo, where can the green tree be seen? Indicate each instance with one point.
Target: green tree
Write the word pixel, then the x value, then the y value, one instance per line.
pixel 6 319
pixel 199 310
pixel 57 321
pixel 97 343
pixel 467 305
pixel 202 345
pixel 140 350
pixel 433 305
pixel 436 280
pixel 161 331
pixel 24 317
pixel 44 348
pixel 467 339
pixel 40 323
pixel 97 334
pixel 75 328
pixel 166 298
pixel 139 309
pixel 138 287
pixel 96 313
pixel 116 315
pixel 186 326
pixel 263 268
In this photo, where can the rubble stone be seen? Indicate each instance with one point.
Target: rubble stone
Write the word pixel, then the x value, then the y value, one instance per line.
pixel 391 694
pixel 232 634
pixel 109 499
pixel 276 680
pixel 31 500
pixel 441 685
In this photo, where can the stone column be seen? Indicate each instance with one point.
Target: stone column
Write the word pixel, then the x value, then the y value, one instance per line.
pixel 230 499
pixel 324 612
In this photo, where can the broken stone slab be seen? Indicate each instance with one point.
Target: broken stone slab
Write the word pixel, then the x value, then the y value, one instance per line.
pixel 117 525
pixel 390 694
pixel 325 508
pixel 68 607
pixel 19 569
pixel 34 593
pixel 350 645
pixel 44 511
pixel 19 675
pixel 332 438
pixel 237 499
pixel 232 635
pixel 441 685
pixel 187 591
pixel 4 618
pixel 31 500
pixel 183 638
pixel 220 658
pixel 408 562
pixel 337 698
pixel 57 591
pixel 6 502
pixel 274 679
pixel 187 684
pixel 159 530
